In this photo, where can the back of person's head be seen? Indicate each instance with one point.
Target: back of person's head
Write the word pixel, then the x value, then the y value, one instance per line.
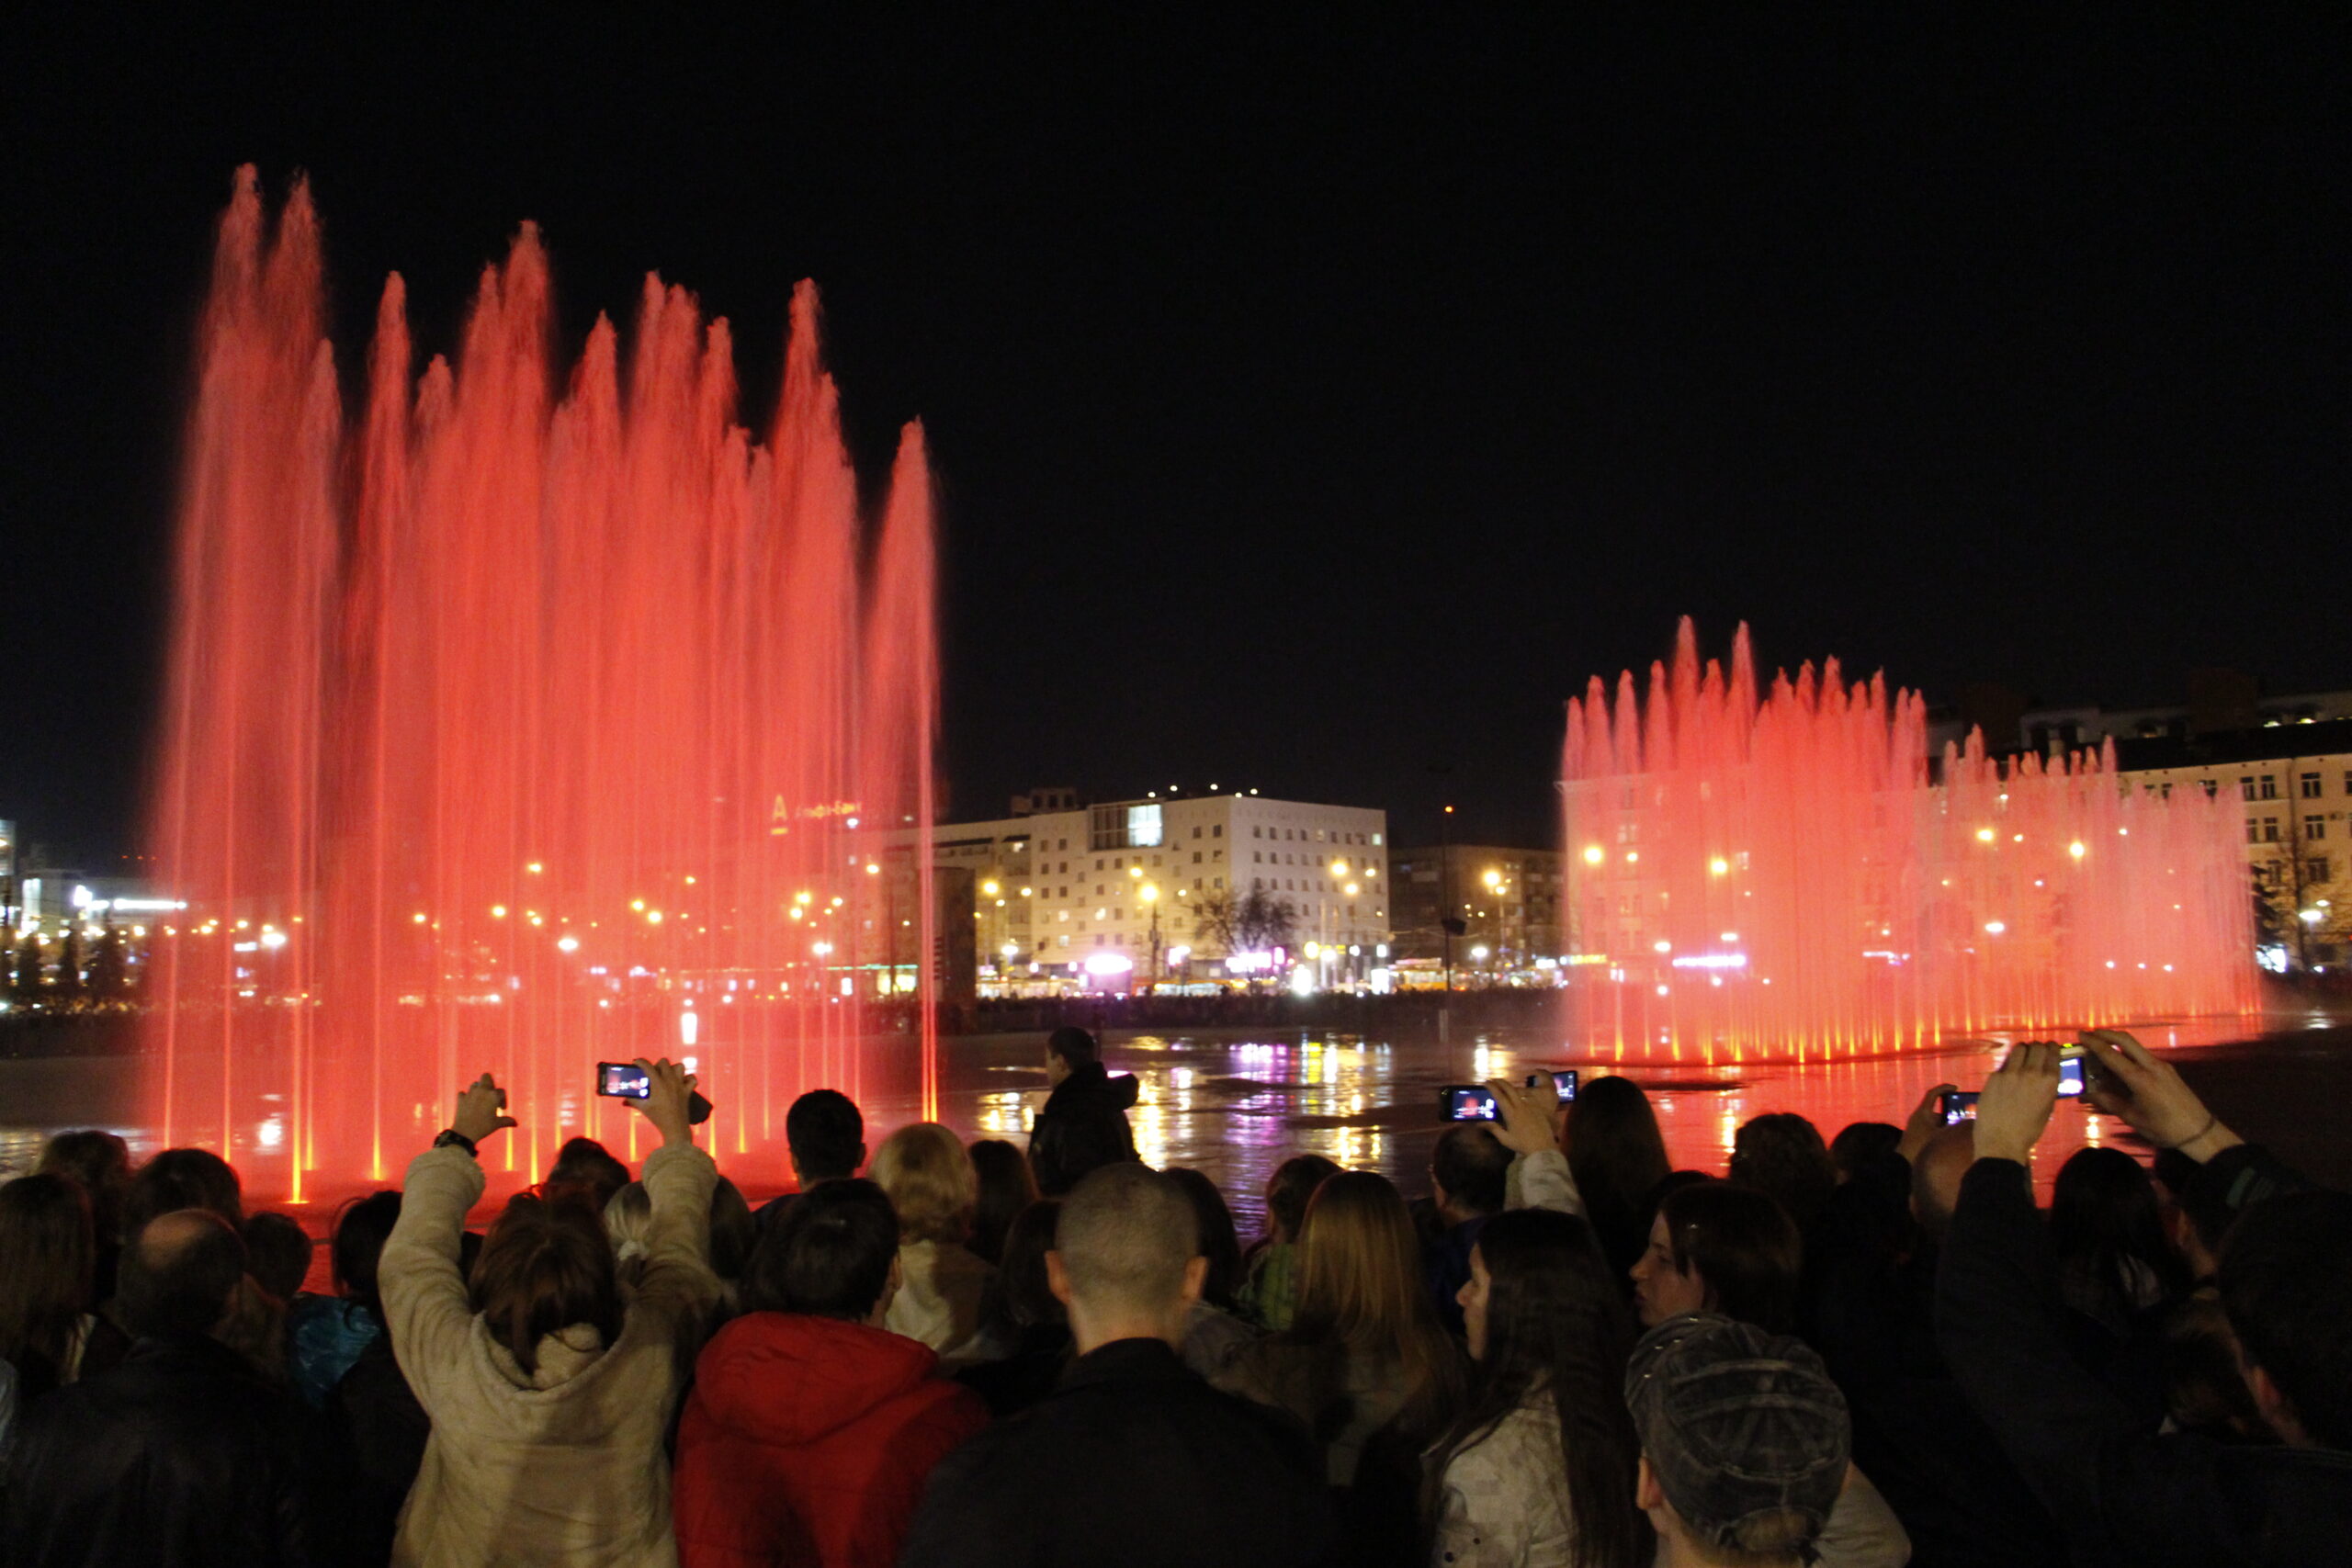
pixel 1289 1191
pixel 1025 1287
pixel 1218 1242
pixel 2287 1286
pixel 733 1231
pixel 2108 1231
pixel 2204 1377
pixel 585 1166
pixel 1781 1155
pixel 182 1178
pixel 1360 1290
pixel 1073 1045
pixel 1747 1440
pixel 1006 1187
pixel 826 1136
pixel 361 1232
pixel 1471 1167
pixel 628 1224
pixel 47 1246
pixel 929 1176
pixel 100 1161
pixel 1125 1236
pixel 278 1253
pixel 832 1256
pixel 546 1265
pixel 1860 1143
pixel 180 1274
pixel 1743 1246
pixel 1613 1143
pixel 1936 1176
pixel 1554 1319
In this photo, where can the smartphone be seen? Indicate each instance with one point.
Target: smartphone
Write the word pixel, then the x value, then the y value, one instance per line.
pixel 1958 1105
pixel 627 1081
pixel 2069 1073
pixel 1467 1102
pixel 1563 1082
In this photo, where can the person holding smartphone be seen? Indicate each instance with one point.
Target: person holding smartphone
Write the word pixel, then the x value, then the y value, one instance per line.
pixel 549 1391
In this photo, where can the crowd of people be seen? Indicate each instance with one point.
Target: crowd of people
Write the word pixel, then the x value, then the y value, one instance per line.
pixel 1859 1353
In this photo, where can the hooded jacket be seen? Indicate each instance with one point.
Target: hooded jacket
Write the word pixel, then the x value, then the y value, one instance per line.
pixel 1082 1124
pixel 564 1463
pixel 806 1440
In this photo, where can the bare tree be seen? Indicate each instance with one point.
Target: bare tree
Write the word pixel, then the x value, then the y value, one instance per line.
pixel 1255 921
pixel 2294 883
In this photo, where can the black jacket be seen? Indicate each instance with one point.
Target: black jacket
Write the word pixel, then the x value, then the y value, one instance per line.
pixel 2127 1495
pixel 1133 1461
pixel 1082 1124
pixel 182 1455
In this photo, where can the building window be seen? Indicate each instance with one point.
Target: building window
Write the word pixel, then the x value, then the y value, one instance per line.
pixel 2252 831
pixel 2270 830
pixel 2270 786
pixel 2315 827
pixel 1257 832
pixel 2245 787
pixel 1196 832
pixel 2212 787
pixel 2310 784
pixel 1218 831
pixel 2315 868
pixel 1196 857
pixel 1217 883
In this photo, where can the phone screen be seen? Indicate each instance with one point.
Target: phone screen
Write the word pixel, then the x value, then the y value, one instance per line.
pixel 2070 1074
pixel 1564 1081
pixel 623 1081
pixel 1469 1102
pixel 1959 1105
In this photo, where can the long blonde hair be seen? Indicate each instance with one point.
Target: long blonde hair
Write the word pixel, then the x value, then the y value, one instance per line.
pixel 930 1179
pixel 1360 1289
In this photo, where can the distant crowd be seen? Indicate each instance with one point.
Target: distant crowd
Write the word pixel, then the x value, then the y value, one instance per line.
pixel 1562 1354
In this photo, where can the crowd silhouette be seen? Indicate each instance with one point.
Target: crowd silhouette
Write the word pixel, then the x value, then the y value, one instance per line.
pixel 1859 1352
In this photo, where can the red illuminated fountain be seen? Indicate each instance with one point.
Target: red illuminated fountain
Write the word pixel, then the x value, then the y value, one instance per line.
pixel 527 720
pixel 1755 872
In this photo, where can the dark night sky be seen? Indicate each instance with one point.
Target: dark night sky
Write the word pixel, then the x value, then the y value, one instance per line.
pixel 1316 405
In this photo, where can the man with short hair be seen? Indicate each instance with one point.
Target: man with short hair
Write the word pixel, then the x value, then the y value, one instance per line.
pixel 1134 1459
pixel 824 1136
pixel 812 1428
pixel 183 1455
pixel 2125 1493
pixel 1745 1442
pixel 1469 1175
pixel 1083 1123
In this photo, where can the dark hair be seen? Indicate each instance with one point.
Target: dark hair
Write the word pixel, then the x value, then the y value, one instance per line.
pixel 586 1166
pixel 1360 1290
pixel 832 1256
pixel 2109 1237
pixel 1781 1155
pixel 2205 1388
pixel 826 1135
pixel 180 1286
pixel 100 1161
pixel 1555 1318
pixel 181 1178
pixel 278 1253
pixel 1291 1189
pixel 547 1264
pixel 2287 1286
pixel 1006 1187
pixel 1613 1143
pixel 1073 1044
pixel 361 1232
pixel 1472 1167
pixel 2204 1204
pixel 733 1231
pixel 1743 1246
pixel 47 1249
pixel 1859 1143
pixel 1024 1297
pixel 1219 1244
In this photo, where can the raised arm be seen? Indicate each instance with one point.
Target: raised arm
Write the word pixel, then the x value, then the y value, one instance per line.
pixel 678 1179
pixel 1540 1176
pixel 426 1310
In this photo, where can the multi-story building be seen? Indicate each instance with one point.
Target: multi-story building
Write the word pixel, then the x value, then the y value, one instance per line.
pixel 1507 900
pixel 1117 888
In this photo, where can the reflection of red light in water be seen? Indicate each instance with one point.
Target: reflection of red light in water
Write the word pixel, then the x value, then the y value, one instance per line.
pixel 506 644
pixel 1820 896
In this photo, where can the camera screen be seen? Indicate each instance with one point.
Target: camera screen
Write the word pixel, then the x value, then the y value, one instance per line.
pixel 1469 1103
pixel 624 1080
pixel 1959 1106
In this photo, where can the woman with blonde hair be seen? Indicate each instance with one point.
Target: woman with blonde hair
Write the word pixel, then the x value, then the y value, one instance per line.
pixel 1364 1362
pixel 931 1185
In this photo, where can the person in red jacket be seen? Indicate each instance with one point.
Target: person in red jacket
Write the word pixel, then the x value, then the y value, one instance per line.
pixel 812 1428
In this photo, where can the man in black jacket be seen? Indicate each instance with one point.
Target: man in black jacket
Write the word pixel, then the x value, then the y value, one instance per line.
pixel 1084 1122
pixel 2129 1494
pixel 183 1455
pixel 1133 1461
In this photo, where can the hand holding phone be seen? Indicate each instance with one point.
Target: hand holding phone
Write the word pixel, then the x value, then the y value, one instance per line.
pixel 1468 1102
pixel 1563 1080
pixel 1957 1105
pixel 645 1082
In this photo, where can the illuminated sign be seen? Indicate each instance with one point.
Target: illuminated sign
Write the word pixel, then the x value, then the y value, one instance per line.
pixel 1108 964
pixel 784 815
pixel 1143 827
pixel 1711 960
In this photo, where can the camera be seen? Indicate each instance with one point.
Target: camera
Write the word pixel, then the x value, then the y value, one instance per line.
pixel 1467 1102
pixel 1563 1082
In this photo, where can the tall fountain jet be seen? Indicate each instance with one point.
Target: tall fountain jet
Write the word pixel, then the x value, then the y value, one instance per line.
pixel 530 718
pixel 1774 872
